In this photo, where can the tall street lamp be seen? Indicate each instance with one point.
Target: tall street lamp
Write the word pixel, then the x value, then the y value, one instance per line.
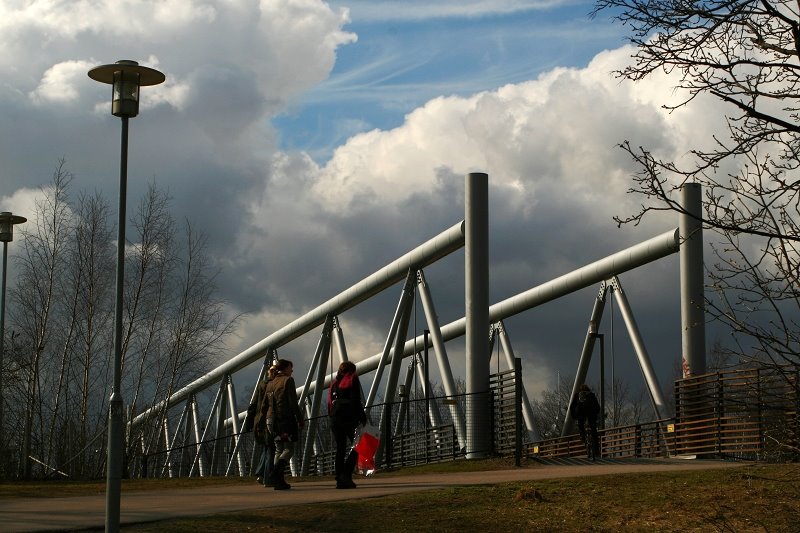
pixel 125 78
pixel 7 221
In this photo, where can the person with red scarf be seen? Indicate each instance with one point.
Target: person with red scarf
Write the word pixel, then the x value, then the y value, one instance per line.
pixel 346 411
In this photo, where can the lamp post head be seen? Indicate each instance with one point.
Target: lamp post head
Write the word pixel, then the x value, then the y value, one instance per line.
pixel 125 78
pixel 7 221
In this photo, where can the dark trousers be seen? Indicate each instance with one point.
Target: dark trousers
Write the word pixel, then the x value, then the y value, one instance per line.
pixel 593 448
pixel 265 463
pixel 343 434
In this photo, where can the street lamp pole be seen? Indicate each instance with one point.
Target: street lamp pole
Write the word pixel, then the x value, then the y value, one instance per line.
pixel 125 77
pixel 7 221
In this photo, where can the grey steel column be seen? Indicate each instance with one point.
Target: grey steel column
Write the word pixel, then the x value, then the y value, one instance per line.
pixel 234 412
pixel 405 400
pixel 338 339
pixel 476 303
pixel 402 306
pixel 527 412
pixel 323 345
pixel 433 412
pixel 319 392
pixel 659 405
pixel 170 453
pixel 693 317
pixel 586 355
pixel 394 370
pixel 201 443
pixel 442 359
pixel 198 439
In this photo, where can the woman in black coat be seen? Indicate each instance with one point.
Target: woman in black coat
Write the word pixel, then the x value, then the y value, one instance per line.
pixel 346 411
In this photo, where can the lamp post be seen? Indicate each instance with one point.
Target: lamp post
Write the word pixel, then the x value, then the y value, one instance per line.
pixel 125 78
pixel 7 221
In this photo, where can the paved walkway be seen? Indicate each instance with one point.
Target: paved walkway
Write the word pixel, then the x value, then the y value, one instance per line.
pixel 85 512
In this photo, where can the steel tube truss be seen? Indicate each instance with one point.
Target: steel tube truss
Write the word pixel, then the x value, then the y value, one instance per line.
pixel 450 240
pixel 645 365
pixel 628 259
pixel 499 331
pixel 431 251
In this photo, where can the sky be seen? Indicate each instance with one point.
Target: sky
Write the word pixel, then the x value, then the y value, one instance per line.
pixel 314 143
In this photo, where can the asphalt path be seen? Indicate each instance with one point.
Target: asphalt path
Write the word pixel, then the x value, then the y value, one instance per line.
pixel 88 512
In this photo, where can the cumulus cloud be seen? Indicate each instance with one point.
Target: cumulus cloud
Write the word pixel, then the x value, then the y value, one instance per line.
pixel 557 177
pixel 421 10
pixel 288 231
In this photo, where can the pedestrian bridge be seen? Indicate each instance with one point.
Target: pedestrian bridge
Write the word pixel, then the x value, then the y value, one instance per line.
pixel 173 438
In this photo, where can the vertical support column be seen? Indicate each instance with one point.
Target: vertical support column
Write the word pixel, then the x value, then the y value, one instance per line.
pixel 439 350
pixel 649 374
pixel 476 303
pixel 513 361
pixel 693 320
pixel 586 355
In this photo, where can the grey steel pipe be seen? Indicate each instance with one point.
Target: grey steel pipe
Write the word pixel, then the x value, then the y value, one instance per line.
pixel 527 411
pixel 429 252
pixel 586 355
pixel 440 351
pixel 659 405
pixel 633 257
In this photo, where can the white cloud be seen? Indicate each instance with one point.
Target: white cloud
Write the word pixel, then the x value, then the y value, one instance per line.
pixel 21 202
pixel 407 10
pixel 288 231
pixel 60 84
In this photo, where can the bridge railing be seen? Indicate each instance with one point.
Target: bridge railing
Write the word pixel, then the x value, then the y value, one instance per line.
pixel 748 414
pixel 408 436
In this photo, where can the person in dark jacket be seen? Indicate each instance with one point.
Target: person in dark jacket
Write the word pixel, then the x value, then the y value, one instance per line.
pixel 284 420
pixel 259 426
pixel 346 411
pixel 585 408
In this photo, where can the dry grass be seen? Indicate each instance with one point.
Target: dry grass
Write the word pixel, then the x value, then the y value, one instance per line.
pixel 755 498
pixel 750 498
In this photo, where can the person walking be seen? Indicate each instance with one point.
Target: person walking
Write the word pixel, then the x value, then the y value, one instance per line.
pixel 346 411
pixel 260 429
pixel 284 420
pixel 585 408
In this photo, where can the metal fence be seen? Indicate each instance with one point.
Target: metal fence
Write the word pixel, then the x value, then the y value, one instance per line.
pixel 414 431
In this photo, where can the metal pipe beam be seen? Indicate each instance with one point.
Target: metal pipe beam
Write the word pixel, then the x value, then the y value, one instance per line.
pixel 586 355
pixel 429 252
pixel 633 257
pixel 659 405
pixel 442 360
pixel 403 304
pixel 527 411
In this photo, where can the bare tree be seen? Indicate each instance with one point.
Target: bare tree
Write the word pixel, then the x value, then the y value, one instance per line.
pixel 181 324
pixel 35 297
pixel 745 54
pixel 58 365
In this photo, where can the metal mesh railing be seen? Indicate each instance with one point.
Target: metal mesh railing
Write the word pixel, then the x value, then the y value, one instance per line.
pixel 413 431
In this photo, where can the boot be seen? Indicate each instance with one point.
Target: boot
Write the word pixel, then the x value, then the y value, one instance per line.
pixel 276 477
pixel 345 479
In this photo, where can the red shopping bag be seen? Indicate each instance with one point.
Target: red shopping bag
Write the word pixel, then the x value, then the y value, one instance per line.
pixel 365 446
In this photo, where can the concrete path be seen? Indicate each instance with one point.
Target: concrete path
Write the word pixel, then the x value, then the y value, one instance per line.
pixel 88 512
